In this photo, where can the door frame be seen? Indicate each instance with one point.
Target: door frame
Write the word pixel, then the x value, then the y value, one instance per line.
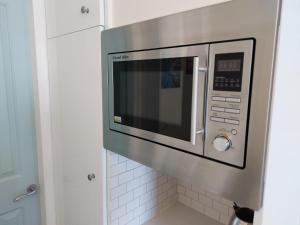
pixel 38 38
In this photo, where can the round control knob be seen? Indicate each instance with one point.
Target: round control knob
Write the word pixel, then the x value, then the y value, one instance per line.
pixel 222 143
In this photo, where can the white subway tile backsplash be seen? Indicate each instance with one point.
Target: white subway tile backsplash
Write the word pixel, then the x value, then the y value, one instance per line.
pixel 172 191
pixel 139 171
pixel 162 197
pixel 131 205
pixel 125 177
pixel 144 179
pixel 185 184
pixel 123 199
pixel 227 202
pixel 166 186
pixel 117 191
pixel 116 213
pixel 157 191
pixel 197 189
pixel 213 196
pixel 208 203
pixel 114 222
pixel 221 207
pixel 113 158
pixel 126 218
pixel 114 181
pixel 140 210
pixel 146 216
pixel 212 213
pixel 191 194
pixel 133 184
pixel 114 204
pixel 205 200
pixel 151 204
pixel 151 185
pixel 138 193
pixel 224 219
pixel 181 189
pixel 145 198
pixel 130 164
pixel 197 206
pixel 162 180
pixel 135 221
pixel 137 188
pixel 184 200
pixel 122 159
pixel 117 169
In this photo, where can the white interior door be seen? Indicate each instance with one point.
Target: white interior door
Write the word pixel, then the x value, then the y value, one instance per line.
pixel 17 131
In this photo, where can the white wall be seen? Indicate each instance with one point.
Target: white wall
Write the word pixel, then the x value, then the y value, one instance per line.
pixel 121 12
pixel 282 189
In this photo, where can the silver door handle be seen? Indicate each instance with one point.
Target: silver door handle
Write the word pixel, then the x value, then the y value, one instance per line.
pixel 196 71
pixel 31 190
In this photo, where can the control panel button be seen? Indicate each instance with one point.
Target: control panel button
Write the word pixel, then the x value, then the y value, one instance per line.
pixel 234 131
pixel 217 119
pixel 221 143
pixel 235 100
pixel 236 111
pixel 218 109
pixel 219 99
pixel 235 122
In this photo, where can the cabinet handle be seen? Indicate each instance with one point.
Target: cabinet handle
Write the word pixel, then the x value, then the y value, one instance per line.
pixel 85 10
pixel 91 176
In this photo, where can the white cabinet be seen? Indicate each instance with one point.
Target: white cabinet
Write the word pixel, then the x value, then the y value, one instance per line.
pixel 67 16
pixel 76 110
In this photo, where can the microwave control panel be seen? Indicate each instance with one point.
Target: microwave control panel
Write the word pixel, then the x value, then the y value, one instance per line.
pixel 228 97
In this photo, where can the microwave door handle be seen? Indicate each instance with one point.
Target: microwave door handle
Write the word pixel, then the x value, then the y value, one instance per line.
pixel 196 70
pixel 194 100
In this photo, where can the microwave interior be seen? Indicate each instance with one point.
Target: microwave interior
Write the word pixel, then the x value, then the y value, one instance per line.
pixel 193 98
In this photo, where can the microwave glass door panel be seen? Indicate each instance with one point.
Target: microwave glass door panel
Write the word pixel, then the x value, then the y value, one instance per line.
pixel 155 95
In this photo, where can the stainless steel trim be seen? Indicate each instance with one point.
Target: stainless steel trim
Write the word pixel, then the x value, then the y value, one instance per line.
pixel 31 190
pixel 194 100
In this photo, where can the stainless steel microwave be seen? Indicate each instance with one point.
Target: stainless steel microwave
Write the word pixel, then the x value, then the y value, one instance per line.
pixel 189 95
pixel 192 98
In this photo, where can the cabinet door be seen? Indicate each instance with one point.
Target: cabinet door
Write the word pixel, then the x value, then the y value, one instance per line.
pixel 75 92
pixel 67 16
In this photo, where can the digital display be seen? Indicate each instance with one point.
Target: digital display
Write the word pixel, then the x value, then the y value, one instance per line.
pixel 229 65
pixel 228 72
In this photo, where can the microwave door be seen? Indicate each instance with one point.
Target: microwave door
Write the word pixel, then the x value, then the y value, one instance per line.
pixel 160 99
